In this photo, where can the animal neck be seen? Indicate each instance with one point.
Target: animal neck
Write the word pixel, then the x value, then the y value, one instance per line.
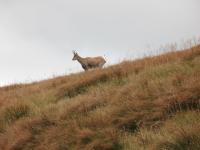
pixel 80 59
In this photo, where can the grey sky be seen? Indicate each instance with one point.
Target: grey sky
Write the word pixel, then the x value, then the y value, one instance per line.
pixel 37 36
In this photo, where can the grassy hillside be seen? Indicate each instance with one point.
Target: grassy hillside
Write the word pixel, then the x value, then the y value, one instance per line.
pixel 146 104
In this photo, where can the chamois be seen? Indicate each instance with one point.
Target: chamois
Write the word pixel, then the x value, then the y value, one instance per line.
pixel 89 62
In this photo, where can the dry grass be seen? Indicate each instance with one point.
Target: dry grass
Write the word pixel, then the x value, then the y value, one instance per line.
pixel 133 105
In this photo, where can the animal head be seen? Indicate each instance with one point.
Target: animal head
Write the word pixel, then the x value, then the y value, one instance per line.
pixel 75 55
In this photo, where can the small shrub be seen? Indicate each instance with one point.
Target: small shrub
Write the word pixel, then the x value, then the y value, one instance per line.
pixel 128 125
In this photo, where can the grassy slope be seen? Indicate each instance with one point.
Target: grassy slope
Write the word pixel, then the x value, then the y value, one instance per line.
pixel 152 103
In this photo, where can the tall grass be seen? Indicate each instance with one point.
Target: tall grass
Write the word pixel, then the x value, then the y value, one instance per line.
pixel 132 105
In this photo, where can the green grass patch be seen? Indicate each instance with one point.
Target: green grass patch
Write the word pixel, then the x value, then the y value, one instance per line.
pixel 15 112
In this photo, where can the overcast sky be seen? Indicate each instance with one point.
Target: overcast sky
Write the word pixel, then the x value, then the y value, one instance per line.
pixel 37 36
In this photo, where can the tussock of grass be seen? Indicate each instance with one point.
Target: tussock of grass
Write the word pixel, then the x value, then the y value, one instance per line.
pixel 181 132
pixel 14 112
pixel 151 103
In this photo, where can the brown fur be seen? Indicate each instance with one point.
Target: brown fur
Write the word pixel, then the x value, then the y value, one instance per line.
pixel 89 62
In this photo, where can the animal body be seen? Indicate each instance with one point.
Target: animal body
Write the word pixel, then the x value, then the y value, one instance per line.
pixel 89 62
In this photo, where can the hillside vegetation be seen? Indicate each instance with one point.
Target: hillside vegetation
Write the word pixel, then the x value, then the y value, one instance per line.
pixel 146 104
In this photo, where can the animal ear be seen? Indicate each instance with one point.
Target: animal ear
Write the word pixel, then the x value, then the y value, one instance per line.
pixel 74 52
